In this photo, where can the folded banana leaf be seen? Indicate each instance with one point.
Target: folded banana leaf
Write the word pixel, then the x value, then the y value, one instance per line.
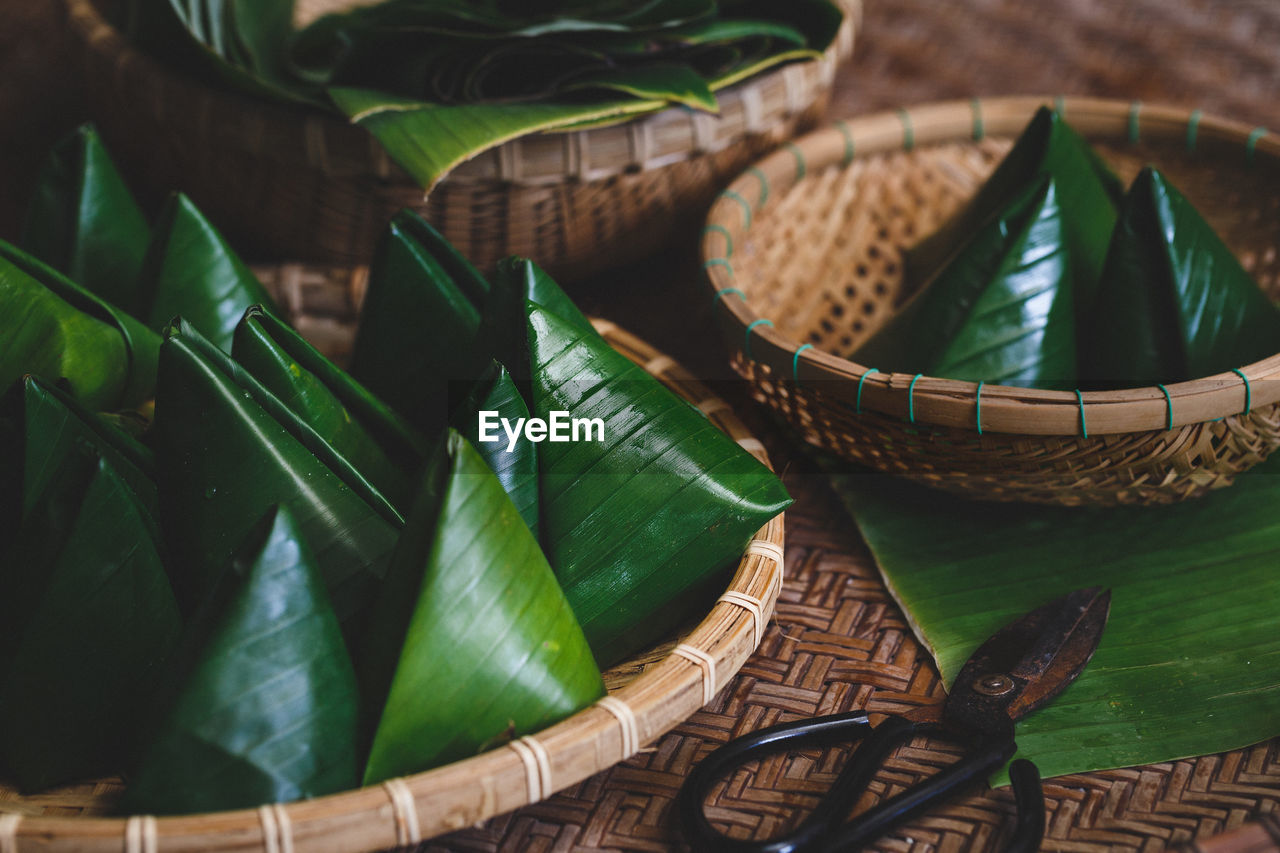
pixel 359 426
pixel 227 450
pixel 266 704
pixel 640 520
pixel 516 283
pixel 39 426
pixel 86 618
pixel 84 222
pixel 191 271
pixel 416 345
pixel 1001 311
pixel 1189 663
pixel 515 462
pixel 1089 194
pixel 474 643
pixel 58 330
pixel 1173 303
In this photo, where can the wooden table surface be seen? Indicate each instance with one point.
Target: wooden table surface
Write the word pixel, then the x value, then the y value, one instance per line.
pixel 838 642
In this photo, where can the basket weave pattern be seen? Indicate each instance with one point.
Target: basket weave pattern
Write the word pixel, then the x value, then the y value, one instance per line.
pixel 290 183
pixel 808 248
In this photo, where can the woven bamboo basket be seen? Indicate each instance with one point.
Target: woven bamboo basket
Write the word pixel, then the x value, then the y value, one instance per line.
pixel 648 694
pixel 285 183
pixel 803 254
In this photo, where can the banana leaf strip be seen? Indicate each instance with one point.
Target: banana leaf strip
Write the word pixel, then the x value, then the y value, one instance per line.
pixel 1174 303
pixel 267 708
pixel 84 222
pixel 515 462
pixel 356 424
pixel 55 329
pixel 1001 311
pixel 227 450
pixel 416 344
pixel 40 425
pixel 1089 195
pixel 87 618
pixel 490 650
pixel 659 505
pixel 1189 663
pixel 191 271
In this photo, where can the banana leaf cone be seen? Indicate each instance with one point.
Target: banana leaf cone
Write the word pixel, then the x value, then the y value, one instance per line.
pixel 637 516
pixel 416 344
pixel 227 450
pixel 515 463
pixel 516 283
pixel 263 704
pixel 474 642
pixel 86 620
pixel 1089 194
pixel 39 426
pixel 1174 303
pixel 84 222
pixel 191 271
pixel 361 428
pixel 58 330
pixel 1002 311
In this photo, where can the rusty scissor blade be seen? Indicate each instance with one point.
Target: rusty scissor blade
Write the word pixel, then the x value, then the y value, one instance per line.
pixel 1028 662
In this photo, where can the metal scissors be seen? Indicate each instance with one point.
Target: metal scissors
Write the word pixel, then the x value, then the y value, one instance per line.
pixel 1018 669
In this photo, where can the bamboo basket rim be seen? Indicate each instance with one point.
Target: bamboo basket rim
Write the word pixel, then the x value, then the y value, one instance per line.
pixel 415 808
pixel 933 401
pixel 327 142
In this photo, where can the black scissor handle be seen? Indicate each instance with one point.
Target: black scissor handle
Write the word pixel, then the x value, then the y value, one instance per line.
pixel 825 828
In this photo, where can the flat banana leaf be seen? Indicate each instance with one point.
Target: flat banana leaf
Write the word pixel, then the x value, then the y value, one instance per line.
pixel 416 345
pixel 1189 663
pixel 673 82
pixel 39 426
pixel 1001 311
pixel 659 507
pixel 84 221
pixel 268 712
pixel 1089 194
pixel 1173 303
pixel 98 377
pixel 227 450
pixel 191 271
pixel 87 618
pixel 514 462
pixel 359 426
pixel 490 650
pixel 428 140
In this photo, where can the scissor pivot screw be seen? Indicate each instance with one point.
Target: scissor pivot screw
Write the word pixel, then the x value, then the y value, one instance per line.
pixel 993 685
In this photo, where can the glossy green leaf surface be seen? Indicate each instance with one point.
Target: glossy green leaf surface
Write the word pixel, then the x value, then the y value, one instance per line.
pixel 416 345
pixel 87 617
pixel 1001 311
pixel 357 425
pixel 1088 194
pixel 516 283
pixel 191 272
pixel 491 650
pixel 634 522
pixel 93 353
pixel 227 450
pixel 267 712
pixel 1174 303
pixel 84 221
pixel 514 462
pixel 1189 663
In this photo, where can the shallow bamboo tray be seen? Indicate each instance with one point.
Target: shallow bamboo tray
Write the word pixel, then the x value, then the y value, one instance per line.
pixel 803 254
pixel 648 695
pixel 290 183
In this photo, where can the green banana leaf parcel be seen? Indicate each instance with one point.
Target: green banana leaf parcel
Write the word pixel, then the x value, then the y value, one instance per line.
pixel 1189 663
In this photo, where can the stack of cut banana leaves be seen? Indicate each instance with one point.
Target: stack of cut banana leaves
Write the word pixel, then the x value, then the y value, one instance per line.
pixel 1053 277
pixel 439 81
pixel 238 574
